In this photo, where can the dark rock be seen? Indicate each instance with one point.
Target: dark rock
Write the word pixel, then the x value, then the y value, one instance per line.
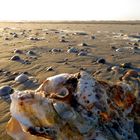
pixel 66 59
pixel 80 33
pixel 5 90
pixel 6 38
pixel 15 35
pixel 50 69
pixel 82 53
pixel 15 58
pixel 126 65
pixel 18 51
pixel 27 62
pixel 55 50
pixel 101 60
pixel 113 48
pixel 63 40
pixel 31 53
pixel 72 50
pixel 136 44
pixel 93 37
pixel 83 44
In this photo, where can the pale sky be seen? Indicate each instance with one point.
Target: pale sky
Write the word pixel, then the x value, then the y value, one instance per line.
pixel 69 9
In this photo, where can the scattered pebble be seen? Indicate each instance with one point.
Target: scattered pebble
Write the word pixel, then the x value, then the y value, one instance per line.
pixel 66 59
pixel 21 78
pixel 15 35
pixel 83 44
pixel 93 37
pixel 15 58
pixel 31 53
pixel 136 44
pixel 50 69
pixel 72 50
pixel 18 51
pixel 27 62
pixel 131 73
pixel 34 38
pixel 126 65
pixel 55 50
pixel 6 38
pixel 115 68
pixel 101 60
pixel 113 48
pixel 5 90
pixel 80 33
pixel 82 53
pixel 63 40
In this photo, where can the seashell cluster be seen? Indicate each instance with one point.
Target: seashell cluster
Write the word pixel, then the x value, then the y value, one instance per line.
pixel 73 107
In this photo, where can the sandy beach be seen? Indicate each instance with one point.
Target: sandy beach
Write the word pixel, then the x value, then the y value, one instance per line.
pixel 45 49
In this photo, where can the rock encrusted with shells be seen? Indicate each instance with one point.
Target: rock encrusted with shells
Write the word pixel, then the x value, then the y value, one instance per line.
pixel 73 107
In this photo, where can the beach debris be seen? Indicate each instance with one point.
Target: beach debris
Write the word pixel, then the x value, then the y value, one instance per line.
pixel 21 78
pixel 133 49
pixel 56 50
pixel 115 68
pixel 63 40
pixel 6 90
pixel 126 65
pixel 50 68
pixel 136 44
pixel 129 74
pixel 83 44
pixel 72 50
pixel 113 47
pixel 125 49
pixel 6 38
pixel 33 38
pixel 15 35
pixel 82 53
pixel 101 60
pixel 31 53
pixel 15 58
pixel 18 51
pixel 26 62
pixel 80 33
pixel 84 107
pixel 36 38
pixel 93 37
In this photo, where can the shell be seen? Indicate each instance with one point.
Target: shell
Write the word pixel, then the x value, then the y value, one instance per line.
pixel 75 107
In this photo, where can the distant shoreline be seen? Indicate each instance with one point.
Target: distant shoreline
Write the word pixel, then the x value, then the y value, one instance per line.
pixel 73 22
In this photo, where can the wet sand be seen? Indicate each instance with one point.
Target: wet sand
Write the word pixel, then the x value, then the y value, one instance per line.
pixel 63 36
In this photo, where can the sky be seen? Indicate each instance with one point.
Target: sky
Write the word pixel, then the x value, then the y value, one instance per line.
pixel 69 10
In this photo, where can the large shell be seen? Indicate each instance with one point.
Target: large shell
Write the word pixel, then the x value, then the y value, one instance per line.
pixel 74 107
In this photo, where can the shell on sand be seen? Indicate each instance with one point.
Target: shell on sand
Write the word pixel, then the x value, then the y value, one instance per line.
pixel 72 107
